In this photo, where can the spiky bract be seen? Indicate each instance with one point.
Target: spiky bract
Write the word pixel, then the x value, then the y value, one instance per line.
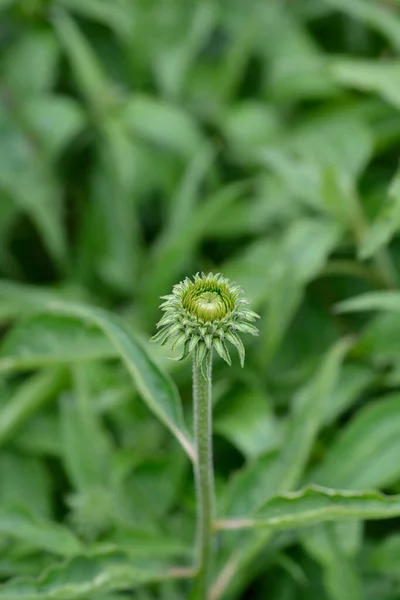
pixel 205 313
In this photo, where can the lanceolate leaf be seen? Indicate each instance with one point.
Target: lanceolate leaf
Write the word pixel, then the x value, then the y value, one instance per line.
pixel 315 505
pixel 89 577
pixel 386 301
pixel 38 533
pixel 155 387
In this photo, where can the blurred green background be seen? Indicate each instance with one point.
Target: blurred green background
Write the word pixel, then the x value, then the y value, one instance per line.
pixel 142 141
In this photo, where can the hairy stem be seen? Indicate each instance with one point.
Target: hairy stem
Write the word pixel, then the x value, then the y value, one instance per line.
pixel 203 473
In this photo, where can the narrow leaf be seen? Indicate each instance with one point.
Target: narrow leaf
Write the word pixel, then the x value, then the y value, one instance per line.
pixel 315 505
pixel 155 387
pixel 89 577
pixel 39 533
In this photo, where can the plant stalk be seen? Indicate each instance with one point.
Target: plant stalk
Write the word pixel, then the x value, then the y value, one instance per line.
pixel 204 474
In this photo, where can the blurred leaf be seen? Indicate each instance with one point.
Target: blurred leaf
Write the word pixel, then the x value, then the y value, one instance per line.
pixel 364 454
pixel 334 546
pixel 26 484
pixel 386 224
pixel 307 418
pixel 163 124
pixel 353 382
pixel 87 69
pixel 385 301
pixel 29 398
pixel 52 339
pixel 56 119
pixel 156 389
pixel 383 18
pixel 84 577
pixel 249 423
pixel 17 297
pixel 172 62
pixel 282 470
pixel 385 555
pixel 314 505
pixel 26 177
pixel 370 76
pixel 38 533
pixel 117 14
pixel 30 65
pixel 299 255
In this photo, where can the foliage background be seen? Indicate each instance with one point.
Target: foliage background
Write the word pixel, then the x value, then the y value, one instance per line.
pixel 140 142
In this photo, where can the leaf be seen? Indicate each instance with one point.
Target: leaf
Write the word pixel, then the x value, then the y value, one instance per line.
pixel 315 505
pixel 28 180
pixel 249 423
pixel 25 484
pixel 155 387
pixel 281 471
pixel 334 545
pixel 381 17
pixel 38 46
pixel 29 398
pixel 364 453
pixel 307 418
pixel 56 120
pixel 386 301
pixel 381 77
pixel 38 533
pixel 117 14
pixel 88 71
pixel 385 556
pixel 163 124
pixel 355 380
pixel 43 340
pixel 386 224
pixel 89 577
pixel 17 297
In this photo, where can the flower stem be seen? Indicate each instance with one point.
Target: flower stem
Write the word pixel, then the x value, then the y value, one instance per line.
pixel 203 473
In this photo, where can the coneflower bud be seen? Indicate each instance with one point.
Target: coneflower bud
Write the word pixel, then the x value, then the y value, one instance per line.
pixel 205 313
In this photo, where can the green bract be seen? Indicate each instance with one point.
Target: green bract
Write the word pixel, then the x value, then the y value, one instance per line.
pixel 205 313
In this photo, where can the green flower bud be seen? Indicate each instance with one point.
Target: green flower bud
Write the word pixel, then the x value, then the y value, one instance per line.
pixel 205 313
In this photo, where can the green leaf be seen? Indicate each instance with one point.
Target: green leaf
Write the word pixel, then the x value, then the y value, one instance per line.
pixel 386 224
pixel 38 533
pixel 385 556
pixel 44 340
pixel 29 398
pixel 57 120
pixel 383 18
pixel 249 423
pixel 25 484
pixel 334 546
pixel 88 71
pixel 385 301
pixel 315 505
pixel 117 14
pixel 281 471
pixel 307 418
pixel 155 387
pixel 28 180
pixel 364 453
pixel 89 577
pixel 163 124
pixel 17 297
pixel 20 70
pixel 381 77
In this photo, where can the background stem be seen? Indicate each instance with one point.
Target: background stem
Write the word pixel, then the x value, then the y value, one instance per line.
pixel 203 473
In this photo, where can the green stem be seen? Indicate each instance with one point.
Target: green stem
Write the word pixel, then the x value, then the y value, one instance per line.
pixel 203 473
